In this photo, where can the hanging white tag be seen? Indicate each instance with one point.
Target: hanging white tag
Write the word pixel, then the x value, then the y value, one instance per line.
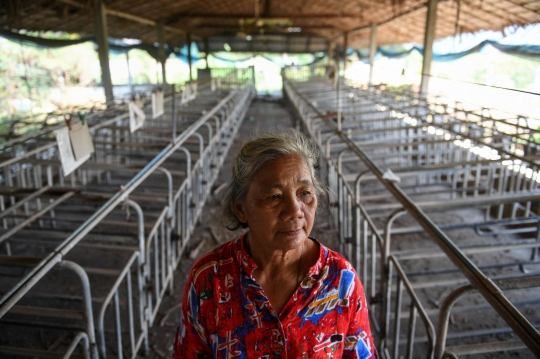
pixel 67 159
pixel 157 104
pixel 189 93
pixel 136 117
pixel 391 176
pixel 185 94
pixel 81 140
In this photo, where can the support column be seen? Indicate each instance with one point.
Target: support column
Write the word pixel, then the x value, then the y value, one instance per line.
pixel 372 52
pixel 130 81
pixel 330 52
pixel 429 37
pixel 206 51
pixel 188 41
pixel 345 44
pixel 162 56
pixel 100 29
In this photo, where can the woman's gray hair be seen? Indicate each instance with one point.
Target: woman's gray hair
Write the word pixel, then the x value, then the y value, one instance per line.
pixel 256 154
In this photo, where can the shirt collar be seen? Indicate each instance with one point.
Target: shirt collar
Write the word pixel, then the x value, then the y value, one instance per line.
pixel 244 258
pixel 249 264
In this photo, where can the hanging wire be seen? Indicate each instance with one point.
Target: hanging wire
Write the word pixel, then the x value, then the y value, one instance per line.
pixel 480 84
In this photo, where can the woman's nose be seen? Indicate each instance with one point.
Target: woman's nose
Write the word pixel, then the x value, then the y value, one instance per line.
pixel 292 208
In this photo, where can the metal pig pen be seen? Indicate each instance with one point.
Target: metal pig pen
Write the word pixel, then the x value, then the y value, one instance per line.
pixel 124 217
pixel 445 161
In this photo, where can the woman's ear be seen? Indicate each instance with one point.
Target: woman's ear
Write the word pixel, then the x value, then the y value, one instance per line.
pixel 239 211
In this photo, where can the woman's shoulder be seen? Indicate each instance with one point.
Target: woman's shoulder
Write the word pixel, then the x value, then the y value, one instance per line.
pixel 333 258
pixel 215 260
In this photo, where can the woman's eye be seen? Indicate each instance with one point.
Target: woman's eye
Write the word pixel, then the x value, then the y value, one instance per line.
pixel 306 193
pixel 275 196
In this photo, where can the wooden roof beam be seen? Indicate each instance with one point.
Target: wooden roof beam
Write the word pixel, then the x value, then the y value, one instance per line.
pixel 215 26
pixel 412 12
pixel 250 16
pixel 125 15
pixel 497 13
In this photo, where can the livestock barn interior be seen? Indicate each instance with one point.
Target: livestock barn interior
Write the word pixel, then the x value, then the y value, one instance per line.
pixel 435 204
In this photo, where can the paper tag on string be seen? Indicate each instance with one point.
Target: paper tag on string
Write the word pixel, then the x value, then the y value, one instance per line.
pixel 81 140
pixel 157 104
pixel 136 116
pixel 391 176
pixel 65 152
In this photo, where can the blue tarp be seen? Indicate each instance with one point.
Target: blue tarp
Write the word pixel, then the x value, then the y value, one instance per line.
pixel 119 46
pixel 273 60
pixel 531 51
pixel 41 42
pixel 115 46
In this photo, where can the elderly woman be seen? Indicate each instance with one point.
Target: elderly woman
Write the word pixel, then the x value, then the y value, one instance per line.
pixel 274 292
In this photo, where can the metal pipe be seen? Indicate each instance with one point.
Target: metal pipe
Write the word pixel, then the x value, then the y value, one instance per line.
pixel 87 297
pixel 140 226
pixel 80 337
pixel 27 199
pixel 112 293
pixel 452 298
pixel 35 216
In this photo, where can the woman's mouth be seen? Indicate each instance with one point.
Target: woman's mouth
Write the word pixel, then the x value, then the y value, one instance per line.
pixel 291 232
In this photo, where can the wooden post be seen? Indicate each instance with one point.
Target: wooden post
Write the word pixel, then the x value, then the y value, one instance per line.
pixel 188 41
pixel 100 29
pixel 429 37
pixel 330 52
pixel 161 49
pixel 130 82
pixel 372 52
pixel 206 51
pixel 345 44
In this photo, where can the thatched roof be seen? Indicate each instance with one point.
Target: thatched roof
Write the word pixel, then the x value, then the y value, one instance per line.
pixel 308 24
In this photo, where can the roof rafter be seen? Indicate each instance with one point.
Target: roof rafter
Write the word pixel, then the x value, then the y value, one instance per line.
pixel 124 15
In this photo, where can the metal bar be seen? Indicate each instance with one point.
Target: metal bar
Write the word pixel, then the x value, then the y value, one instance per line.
pixel 35 353
pixel 46 147
pixel 46 312
pixel 80 337
pixel 24 201
pixel 492 347
pixel 410 337
pixel 131 322
pixel 118 326
pixel 447 305
pixel 107 300
pixel 397 319
pixel 35 216
pixel 87 302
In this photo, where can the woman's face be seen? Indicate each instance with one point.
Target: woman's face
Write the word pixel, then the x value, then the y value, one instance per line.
pixel 280 204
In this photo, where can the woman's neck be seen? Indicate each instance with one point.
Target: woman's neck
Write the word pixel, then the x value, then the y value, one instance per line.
pixel 280 272
pixel 269 259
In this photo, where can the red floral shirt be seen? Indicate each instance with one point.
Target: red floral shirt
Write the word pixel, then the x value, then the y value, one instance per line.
pixel 225 313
